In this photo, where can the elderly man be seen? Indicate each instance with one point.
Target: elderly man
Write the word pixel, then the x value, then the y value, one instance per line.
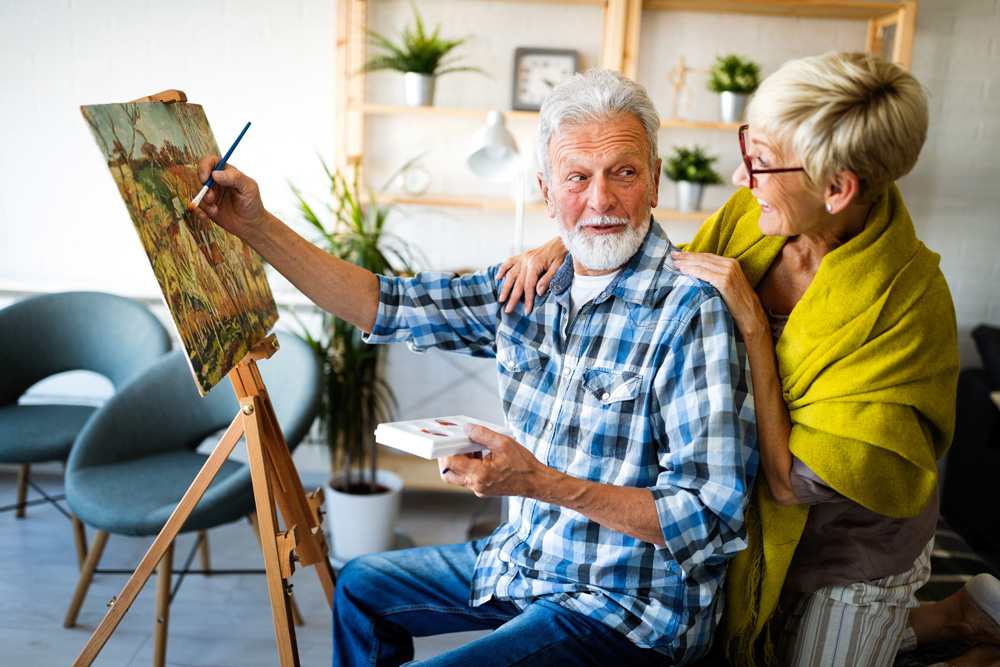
pixel 628 395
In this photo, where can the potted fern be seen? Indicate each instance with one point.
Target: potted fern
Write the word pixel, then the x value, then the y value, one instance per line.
pixel 422 57
pixel 356 395
pixel 691 169
pixel 734 78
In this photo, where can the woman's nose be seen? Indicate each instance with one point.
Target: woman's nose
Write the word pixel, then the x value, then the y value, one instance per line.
pixel 741 177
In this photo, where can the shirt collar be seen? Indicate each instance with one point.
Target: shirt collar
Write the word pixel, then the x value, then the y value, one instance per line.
pixel 637 280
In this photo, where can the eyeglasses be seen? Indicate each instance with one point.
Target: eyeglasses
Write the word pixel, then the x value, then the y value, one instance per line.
pixel 749 163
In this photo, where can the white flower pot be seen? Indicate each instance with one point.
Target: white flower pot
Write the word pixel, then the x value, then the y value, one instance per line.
pixel 419 89
pixel 731 107
pixel 363 523
pixel 689 196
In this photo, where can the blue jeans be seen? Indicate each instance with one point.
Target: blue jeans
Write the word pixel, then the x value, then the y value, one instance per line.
pixel 384 600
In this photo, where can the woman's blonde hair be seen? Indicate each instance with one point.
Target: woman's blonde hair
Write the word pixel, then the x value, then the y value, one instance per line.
pixel 845 111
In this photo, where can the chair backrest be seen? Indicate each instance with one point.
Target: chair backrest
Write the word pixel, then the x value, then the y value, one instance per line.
pixel 160 410
pixel 66 331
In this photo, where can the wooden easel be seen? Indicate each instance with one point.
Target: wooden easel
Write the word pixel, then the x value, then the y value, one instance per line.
pixel 274 480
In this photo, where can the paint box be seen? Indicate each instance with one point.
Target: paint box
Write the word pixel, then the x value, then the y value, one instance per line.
pixel 433 437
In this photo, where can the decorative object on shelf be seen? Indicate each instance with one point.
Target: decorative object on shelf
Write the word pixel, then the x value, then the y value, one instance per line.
pixel 537 71
pixel 691 169
pixel 493 155
pixel 676 77
pixel 734 78
pixel 412 178
pixel 356 396
pixel 420 56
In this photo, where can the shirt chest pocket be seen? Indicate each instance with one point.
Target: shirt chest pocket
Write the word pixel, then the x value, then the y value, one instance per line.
pixel 523 380
pixel 608 407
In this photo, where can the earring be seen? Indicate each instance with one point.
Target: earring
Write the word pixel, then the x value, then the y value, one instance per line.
pixel 829 208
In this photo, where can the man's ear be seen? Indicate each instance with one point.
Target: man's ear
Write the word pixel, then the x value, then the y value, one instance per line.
pixel 656 183
pixel 550 208
pixel 841 190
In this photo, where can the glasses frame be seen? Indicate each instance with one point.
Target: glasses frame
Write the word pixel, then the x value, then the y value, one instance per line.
pixel 748 163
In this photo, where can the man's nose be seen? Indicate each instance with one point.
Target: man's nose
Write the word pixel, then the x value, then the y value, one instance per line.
pixel 602 195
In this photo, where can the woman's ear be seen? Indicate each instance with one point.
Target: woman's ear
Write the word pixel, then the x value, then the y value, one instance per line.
pixel 842 189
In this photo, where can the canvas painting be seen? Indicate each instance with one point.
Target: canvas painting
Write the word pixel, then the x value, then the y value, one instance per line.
pixel 213 284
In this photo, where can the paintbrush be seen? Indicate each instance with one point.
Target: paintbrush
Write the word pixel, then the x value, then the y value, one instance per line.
pixel 197 200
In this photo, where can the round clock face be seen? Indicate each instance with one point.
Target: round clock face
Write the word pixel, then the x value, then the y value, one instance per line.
pixel 538 72
pixel 415 180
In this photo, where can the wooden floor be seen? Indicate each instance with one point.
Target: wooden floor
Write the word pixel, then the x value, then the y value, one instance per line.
pixel 216 621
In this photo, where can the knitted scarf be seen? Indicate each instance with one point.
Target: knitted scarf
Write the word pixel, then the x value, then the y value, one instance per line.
pixel 868 362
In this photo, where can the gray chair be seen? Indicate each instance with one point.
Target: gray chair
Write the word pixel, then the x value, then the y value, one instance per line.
pixel 137 457
pixel 53 333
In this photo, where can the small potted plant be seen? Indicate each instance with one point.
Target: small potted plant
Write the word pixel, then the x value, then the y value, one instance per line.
pixel 362 501
pixel 734 78
pixel 691 169
pixel 420 56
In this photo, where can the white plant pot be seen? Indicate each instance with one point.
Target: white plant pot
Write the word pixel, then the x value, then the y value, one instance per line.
pixel 419 89
pixel 363 523
pixel 689 196
pixel 731 107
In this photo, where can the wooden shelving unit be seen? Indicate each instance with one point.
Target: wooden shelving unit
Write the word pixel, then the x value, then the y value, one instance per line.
pixel 619 50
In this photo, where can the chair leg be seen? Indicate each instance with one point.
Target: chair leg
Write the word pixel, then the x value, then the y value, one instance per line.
pixel 296 616
pixel 22 489
pixel 203 554
pixel 164 577
pixel 80 537
pixel 86 575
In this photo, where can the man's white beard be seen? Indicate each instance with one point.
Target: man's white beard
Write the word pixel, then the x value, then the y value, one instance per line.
pixel 604 252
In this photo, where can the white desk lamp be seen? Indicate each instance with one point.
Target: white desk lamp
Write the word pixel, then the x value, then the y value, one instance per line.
pixel 493 155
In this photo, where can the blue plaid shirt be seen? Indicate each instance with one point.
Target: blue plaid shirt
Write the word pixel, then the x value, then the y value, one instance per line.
pixel 647 387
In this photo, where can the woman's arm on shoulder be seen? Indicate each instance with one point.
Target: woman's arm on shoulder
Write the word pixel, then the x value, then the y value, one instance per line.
pixel 530 273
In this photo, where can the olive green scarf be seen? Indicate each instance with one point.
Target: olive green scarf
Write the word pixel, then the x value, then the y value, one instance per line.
pixel 869 364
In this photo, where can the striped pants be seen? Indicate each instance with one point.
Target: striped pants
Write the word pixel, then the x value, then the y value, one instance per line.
pixel 861 625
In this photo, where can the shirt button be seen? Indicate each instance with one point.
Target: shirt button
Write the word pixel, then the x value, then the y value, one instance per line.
pixel 605 396
pixel 549 426
pixel 510 364
pixel 567 371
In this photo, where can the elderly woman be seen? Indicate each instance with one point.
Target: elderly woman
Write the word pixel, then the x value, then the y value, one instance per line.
pixel 850 331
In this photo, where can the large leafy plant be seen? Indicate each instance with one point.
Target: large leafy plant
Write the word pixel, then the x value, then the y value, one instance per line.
pixel 356 395
pixel 734 74
pixel 692 165
pixel 417 51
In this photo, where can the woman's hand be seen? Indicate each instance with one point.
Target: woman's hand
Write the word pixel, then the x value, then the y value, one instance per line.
pixel 530 273
pixel 725 275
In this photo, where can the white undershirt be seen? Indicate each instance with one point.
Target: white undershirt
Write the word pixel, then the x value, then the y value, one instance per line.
pixel 585 288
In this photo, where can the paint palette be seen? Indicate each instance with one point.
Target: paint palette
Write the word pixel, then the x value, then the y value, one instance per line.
pixel 434 437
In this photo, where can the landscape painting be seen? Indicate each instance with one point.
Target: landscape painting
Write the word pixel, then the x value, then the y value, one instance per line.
pixel 213 284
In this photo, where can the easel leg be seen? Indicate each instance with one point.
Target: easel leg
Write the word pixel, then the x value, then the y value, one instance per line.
pixel 296 616
pixel 160 544
pixel 164 576
pixel 277 585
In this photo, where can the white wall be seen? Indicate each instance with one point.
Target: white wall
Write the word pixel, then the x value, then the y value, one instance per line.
pixel 62 225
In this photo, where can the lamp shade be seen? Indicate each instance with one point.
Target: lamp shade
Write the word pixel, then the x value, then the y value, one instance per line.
pixel 493 153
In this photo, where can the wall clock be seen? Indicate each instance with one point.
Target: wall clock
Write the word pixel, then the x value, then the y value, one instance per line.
pixel 537 71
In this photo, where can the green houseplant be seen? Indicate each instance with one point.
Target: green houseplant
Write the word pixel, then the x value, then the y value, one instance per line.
pixel 420 55
pixel 356 395
pixel 691 169
pixel 734 78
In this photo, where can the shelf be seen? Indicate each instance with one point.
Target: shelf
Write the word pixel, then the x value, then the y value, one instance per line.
pixel 791 8
pixel 506 204
pixel 392 110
